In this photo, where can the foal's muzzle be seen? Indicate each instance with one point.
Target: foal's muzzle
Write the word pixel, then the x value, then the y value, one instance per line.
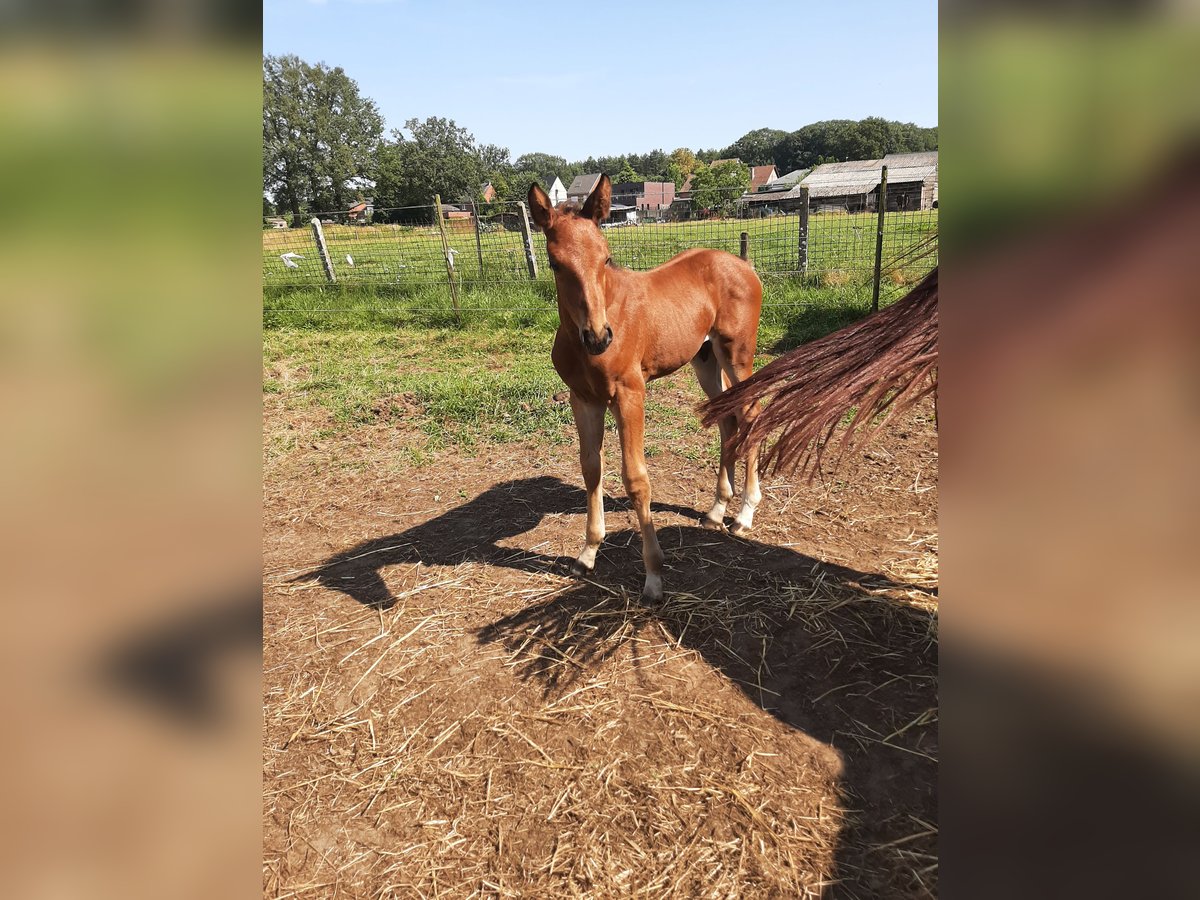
pixel 597 345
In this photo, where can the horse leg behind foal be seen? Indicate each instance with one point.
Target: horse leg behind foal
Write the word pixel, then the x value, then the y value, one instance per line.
pixel 589 422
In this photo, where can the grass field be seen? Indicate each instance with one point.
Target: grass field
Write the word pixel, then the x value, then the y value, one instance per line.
pixel 408 255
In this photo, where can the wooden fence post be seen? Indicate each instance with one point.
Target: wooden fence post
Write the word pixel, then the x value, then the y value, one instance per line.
pixel 803 231
pixel 441 223
pixel 319 235
pixel 527 233
pixel 879 240
pixel 745 254
pixel 478 241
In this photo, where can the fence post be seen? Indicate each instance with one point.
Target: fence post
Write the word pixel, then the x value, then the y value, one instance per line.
pixel 530 259
pixel 441 223
pixel 319 235
pixel 803 231
pixel 745 254
pixel 478 241
pixel 879 240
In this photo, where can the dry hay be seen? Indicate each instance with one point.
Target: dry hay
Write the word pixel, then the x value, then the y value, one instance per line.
pixel 502 730
pixel 629 774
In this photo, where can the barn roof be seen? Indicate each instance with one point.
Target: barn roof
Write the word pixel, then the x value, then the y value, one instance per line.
pixel 784 193
pixel 844 178
pixel 582 185
pixel 911 166
pixel 791 178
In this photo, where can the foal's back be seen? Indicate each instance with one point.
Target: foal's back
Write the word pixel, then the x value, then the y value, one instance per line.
pixel 697 294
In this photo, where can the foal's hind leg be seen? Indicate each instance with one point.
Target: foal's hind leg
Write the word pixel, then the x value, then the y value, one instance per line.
pixel 736 359
pixel 708 373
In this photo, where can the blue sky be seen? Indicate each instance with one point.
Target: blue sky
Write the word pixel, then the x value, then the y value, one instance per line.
pixel 606 78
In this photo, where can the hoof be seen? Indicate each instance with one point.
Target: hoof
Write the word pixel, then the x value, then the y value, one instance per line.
pixel 712 524
pixel 578 567
pixel 652 592
pixel 739 530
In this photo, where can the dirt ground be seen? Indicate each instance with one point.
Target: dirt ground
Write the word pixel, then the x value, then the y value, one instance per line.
pixel 449 714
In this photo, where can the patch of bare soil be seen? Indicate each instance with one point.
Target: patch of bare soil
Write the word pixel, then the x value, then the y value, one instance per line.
pixel 449 714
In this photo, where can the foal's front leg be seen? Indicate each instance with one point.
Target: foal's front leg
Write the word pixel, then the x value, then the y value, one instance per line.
pixel 630 409
pixel 589 422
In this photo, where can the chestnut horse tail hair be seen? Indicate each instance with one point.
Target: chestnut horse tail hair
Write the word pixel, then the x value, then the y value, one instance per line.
pixel 879 366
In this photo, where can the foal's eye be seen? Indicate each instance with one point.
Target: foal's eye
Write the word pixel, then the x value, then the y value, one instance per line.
pixel 554 265
pixel 608 262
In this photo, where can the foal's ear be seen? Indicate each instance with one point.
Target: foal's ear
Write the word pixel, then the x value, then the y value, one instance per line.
pixel 599 201
pixel 539 206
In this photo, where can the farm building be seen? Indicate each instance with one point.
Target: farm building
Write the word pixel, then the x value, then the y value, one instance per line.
pixel 651 195
pixel 771 202
pixel 488 193
pixel 912 180
pixel 850 186
pixel 556 192
pixel 761 178
pixel 450 211
pixel 790 179
pixel 360 213
pixel 854 186
pixel 685 190
pixel 621 214
pixel 581 186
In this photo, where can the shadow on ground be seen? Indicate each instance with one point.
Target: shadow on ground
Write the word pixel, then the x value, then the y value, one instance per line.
pixel 833 652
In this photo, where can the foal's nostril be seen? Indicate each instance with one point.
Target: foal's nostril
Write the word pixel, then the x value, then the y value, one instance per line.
pixel 608 334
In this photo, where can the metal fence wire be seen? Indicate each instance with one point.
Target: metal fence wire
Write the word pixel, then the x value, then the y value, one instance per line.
pixel 467 243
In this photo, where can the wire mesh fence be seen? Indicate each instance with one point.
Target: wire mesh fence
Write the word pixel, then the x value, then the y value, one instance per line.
pixel 436 252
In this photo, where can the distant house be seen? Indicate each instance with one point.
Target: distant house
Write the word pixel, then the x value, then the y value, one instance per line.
pixel 556 191
pixel 761 177
pixel 488 193
pixel 645 195
pixel 360 213
pixel 581 186
pixel 275 222
pixel 450 211
pixel 685 189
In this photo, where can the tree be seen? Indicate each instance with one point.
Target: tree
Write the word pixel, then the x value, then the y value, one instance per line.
pixel 320 135
pixel 839 140
pixel 755 148
pixel 717 188
pixel 542 167
pixel 440 158
pixel 627 174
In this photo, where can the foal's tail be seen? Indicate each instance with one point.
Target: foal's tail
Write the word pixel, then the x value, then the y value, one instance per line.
pixel 885 363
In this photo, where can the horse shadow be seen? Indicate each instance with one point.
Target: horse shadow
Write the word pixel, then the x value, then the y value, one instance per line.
pixel 859 674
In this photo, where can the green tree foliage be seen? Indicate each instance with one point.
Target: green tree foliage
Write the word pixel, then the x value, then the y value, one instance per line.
pixel 839 140
pixel 755 148
pixel 439 157
pixel 320 135
pixel 627 174
pixel 716 188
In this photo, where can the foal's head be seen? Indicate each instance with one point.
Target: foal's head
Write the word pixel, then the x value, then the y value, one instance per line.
pixel 581 260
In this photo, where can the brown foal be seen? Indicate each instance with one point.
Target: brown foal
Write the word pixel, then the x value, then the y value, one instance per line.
pixel 619 329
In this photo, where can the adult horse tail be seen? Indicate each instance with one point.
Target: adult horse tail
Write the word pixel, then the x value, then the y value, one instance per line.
pixel 879 366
